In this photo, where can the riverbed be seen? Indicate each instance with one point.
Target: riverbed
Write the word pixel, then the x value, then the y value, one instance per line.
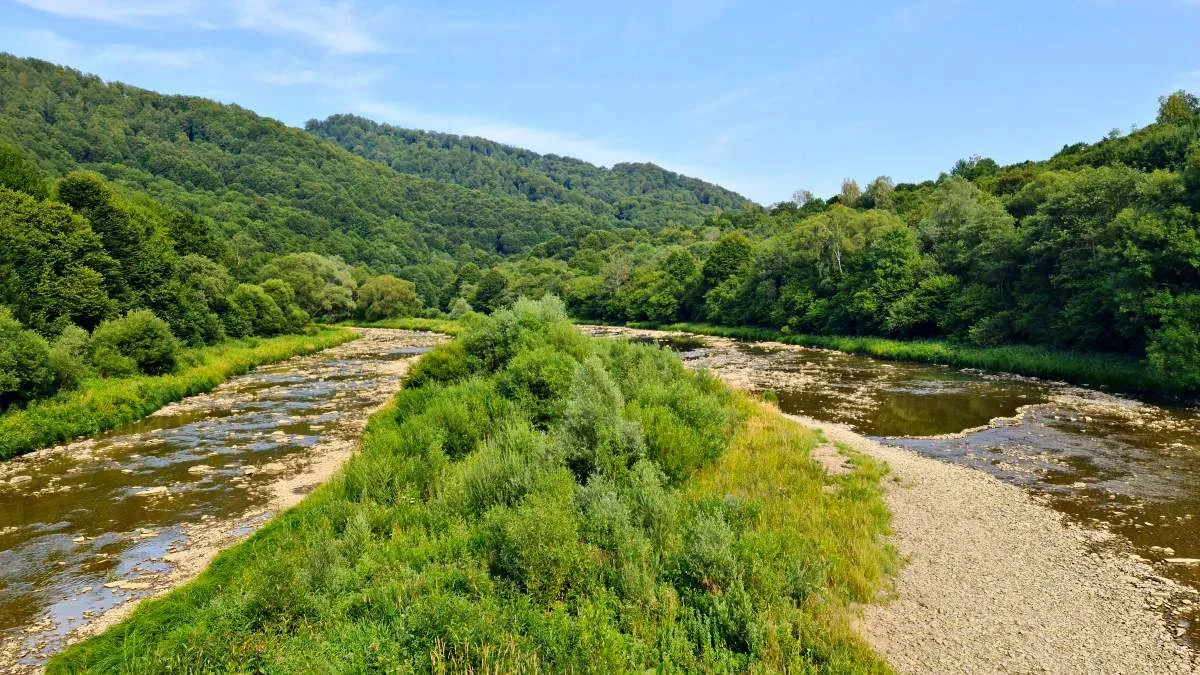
pixel 1113 463
pixel 89 529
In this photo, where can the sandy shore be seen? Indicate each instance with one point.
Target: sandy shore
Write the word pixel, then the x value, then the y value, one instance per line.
pixel 996 582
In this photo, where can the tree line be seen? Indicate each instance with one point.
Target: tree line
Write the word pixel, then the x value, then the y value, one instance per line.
pixel 1094 250
pixel 101 282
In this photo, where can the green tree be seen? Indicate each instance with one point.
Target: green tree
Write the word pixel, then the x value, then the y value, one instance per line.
pixel 386 296
pixel 323 286
pixel 26 371
pixel 491 293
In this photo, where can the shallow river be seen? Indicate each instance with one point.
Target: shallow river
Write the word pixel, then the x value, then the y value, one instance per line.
pixel 1111 462
pixel 89 528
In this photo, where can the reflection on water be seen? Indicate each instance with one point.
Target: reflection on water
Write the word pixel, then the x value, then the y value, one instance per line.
pixel 80 526
pixel 1113 462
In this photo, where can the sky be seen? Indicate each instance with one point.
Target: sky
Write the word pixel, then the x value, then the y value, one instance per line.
pixel 765 98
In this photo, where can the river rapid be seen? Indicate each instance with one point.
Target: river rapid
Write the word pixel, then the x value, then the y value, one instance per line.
pixel 1113 463
pixel 90 528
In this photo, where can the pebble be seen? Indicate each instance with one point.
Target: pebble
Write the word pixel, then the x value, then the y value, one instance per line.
pixel 17 480
pixel 200 469
pixel 156 491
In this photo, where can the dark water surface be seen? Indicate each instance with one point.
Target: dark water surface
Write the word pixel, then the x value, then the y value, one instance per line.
pixel 108 511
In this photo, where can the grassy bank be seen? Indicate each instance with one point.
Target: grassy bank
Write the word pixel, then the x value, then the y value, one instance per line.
pixel 447 326
pixel 1096 370
pixel 100 404
pixel 536 499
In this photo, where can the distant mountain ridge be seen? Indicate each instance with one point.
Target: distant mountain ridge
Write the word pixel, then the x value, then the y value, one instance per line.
pixel 642 194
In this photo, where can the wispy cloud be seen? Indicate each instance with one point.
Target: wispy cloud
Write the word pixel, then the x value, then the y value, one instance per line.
pixel 333 26
pixel 49 45
pixel 593 150
pixel 119 11
pixel 721 102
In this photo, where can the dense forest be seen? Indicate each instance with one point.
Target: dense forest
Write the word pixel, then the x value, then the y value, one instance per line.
pixel 642 195
pixel 1093 250
pixel 272 189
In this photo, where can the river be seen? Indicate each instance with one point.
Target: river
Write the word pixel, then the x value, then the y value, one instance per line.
pixel 90 528
pixel 1109 462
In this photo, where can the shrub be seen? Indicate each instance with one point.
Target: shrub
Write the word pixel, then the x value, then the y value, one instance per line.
pixel 594 435
pixel 136 342
pixel 504 470
pixel 444 363
pixel 69 355
pixel 536 545
pixel 26 371
pixel 539 380
pixel 263 313
pixel 460 308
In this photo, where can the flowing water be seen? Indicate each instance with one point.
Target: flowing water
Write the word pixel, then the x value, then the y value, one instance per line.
pixel 1111 462
pixel 89 528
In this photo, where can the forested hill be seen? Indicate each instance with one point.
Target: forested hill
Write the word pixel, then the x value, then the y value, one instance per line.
pixel 645 195
pixel 277 189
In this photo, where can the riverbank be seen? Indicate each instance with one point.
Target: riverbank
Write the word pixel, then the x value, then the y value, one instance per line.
pixel 192 479
pixel 995 580
pixel 538 500
pixel 101 404
pixel 444 326
pixel 1108 371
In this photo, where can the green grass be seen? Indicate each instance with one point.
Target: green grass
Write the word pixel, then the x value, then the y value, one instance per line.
pixel 100 404
pixel 553 502
pixel 1096 370
pixel 447 326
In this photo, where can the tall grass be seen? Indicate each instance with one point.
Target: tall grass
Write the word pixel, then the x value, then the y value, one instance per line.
pixel 100 404
pixel 624 515
pixel 1111 371
pixel 447 326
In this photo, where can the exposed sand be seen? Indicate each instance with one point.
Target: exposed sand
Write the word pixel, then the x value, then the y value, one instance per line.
pixel 996 582
pixel 285 483
pixel 208 538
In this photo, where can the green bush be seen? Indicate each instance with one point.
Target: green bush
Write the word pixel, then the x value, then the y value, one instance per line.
pixel 539 380
pixel 462 537
pixel 136 342
pixel 263 313
pixel 26 371
pixel 69 354
pixel 444 363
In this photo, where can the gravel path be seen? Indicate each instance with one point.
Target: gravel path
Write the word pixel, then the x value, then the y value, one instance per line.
pixel 996 582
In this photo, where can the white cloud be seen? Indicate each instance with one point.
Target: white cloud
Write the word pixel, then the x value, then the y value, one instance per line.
pixel 594 150
pixel 291 75
pixel 539 140
pixel 129 12
pixel 329 25
pixel 50 46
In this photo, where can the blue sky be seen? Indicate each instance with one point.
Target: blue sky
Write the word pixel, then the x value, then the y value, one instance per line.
pixel 762 97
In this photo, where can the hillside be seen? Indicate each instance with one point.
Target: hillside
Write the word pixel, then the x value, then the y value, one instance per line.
pixel 643 195
pixel 286 190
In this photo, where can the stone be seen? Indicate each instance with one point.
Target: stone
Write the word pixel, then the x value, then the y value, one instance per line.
pixel 156 491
